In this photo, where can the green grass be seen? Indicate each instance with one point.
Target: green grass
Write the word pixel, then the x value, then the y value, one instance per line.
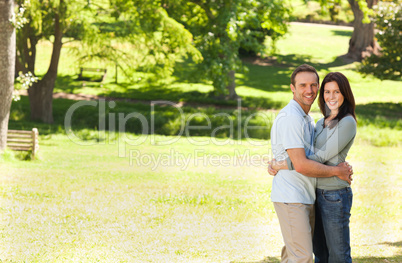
pixel 99 199
pixel 87 204
pixel 312 12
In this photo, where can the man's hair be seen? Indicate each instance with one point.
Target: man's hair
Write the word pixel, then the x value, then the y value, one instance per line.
pixel 303 68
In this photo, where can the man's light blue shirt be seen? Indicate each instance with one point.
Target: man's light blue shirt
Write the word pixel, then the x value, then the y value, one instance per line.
pixel 292 128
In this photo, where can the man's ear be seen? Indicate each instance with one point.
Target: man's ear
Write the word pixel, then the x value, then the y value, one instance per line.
pixel 292 88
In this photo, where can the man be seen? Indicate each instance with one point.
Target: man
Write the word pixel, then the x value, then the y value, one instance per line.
pixel 293 191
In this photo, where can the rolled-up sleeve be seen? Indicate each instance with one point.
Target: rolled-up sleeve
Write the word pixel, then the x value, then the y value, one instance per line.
pixel 292 127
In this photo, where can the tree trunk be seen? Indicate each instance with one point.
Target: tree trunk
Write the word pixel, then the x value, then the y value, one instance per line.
pixel 26 50
pixel 41 92
pixel 30 56
pixel 7 61
pixel 19 67
pixel 41 99
pixel 362 44
pixel 232 86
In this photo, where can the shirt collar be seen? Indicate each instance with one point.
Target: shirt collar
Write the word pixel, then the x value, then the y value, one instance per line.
pixel 298 107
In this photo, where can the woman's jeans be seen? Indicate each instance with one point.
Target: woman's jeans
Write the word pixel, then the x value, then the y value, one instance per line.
pixel 331 241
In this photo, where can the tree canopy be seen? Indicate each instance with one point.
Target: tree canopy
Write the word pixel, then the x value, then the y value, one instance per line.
pixel 155 41
pixel 152 40
pixel 152 35
pixel 221 27
pixel 149 36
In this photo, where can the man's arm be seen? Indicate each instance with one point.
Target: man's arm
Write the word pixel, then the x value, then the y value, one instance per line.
pixel 314 169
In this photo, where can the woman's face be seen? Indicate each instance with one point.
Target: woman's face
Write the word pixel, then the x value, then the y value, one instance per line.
pixel 333 96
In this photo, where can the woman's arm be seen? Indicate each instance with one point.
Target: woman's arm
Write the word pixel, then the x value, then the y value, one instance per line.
pixel 274 166
pixel 313 169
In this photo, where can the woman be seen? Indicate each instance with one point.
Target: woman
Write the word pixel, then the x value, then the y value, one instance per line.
pixel 334 135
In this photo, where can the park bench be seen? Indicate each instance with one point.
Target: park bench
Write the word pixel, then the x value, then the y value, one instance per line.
pixel 19 140
pixel 102 71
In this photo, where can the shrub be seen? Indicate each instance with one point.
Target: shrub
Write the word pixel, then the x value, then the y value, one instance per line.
pixel 388 65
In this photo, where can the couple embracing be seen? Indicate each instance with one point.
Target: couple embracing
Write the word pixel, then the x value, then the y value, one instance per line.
pixel 311 188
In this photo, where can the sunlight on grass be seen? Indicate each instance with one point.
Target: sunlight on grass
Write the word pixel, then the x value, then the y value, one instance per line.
pixel 75 205
pixel 82 205
pixel 318 44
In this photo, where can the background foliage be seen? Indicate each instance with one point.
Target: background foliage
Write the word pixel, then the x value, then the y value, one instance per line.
pixel 388 21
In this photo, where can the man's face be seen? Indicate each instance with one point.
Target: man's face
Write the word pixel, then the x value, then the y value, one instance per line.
pixel 305 89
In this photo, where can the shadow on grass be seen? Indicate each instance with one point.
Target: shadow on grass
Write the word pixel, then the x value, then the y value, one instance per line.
pixel 388 110
pixel 397 258
pixel 270 75
pixel 159 92
pixel 394 244
pixel 168 119
pixel 148 90
pixel 153 92
pixel 72 84
pixel 274 75
pixel 265 260
pixel 338 62
pixel 270 79
pixel 343 33
pixel 85 119
pixel 69 84
pixel 380 115
pixel 378 259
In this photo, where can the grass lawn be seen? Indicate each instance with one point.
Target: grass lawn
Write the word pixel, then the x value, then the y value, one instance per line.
pixel 175 203
pixel 312 11
pixel 195 199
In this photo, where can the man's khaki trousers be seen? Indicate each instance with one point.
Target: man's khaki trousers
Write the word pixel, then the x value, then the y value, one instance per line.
pixel 297 226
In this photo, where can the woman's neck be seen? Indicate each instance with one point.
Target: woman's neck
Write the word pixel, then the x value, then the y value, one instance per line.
pixel 331 116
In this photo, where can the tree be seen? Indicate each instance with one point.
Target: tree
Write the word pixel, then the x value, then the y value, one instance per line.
pixel 49 20
pixel 153 35
pixel 7 60
pixel 362 43
pixel 388 64
pixel 155 41
pixel 220 27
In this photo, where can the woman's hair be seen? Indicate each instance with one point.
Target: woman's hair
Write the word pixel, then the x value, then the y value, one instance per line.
pixel 348 106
